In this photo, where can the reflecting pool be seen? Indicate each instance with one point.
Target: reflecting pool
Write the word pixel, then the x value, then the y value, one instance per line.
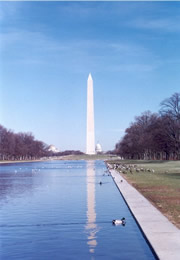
pixel 59 210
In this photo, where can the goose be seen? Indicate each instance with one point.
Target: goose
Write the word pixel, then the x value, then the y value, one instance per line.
pixel 119 222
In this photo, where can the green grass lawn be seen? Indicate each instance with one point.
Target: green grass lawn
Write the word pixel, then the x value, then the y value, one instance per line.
pixel 89 157
pixel 161 187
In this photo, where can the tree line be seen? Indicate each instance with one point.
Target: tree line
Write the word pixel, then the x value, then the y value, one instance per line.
pixel 20 146
pixel 23 146
pixel 154 136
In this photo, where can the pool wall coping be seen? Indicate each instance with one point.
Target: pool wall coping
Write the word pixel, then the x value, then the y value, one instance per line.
pixel 162 235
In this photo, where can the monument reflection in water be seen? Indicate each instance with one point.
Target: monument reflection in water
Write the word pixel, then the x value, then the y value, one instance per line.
pixel 91 226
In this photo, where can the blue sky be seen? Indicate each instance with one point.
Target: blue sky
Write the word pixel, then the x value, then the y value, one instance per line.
pixel 47 50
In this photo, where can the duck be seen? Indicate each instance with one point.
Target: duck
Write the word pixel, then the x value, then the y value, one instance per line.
pixel 100 183
pixel 119 222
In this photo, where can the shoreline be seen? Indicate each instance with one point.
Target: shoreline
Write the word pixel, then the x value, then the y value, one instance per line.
pixel 23 161
pixel 162 235
pixel 65 157
pixel 158 182
pixel 35 160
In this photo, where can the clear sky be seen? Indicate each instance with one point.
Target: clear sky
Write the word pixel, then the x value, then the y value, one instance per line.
pixel 47 50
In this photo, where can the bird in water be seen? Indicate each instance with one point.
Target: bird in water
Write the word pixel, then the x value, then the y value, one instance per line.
pixel 116 222
pixel 100 183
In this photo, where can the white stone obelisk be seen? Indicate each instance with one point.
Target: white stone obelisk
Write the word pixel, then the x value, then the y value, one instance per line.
pixel 90 142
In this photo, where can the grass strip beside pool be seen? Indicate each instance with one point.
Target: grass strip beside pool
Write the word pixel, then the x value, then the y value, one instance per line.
pixel 158 181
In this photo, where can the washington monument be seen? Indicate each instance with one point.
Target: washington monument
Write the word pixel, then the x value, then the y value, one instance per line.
pixel 90 142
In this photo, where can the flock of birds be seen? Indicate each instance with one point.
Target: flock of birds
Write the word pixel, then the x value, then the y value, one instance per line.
pixel 125 168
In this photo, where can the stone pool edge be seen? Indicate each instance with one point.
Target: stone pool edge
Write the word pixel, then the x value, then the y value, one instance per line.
pixel 161 234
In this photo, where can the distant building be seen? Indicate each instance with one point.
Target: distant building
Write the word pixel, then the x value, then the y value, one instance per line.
pixel 98 148
pixel 53 149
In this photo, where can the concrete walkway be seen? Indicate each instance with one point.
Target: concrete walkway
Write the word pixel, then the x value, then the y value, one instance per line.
pixel 162 235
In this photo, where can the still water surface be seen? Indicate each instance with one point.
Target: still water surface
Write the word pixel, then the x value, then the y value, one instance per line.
pixel 58 210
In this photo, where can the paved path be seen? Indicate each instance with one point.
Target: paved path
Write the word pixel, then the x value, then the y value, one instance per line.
pixel 163 236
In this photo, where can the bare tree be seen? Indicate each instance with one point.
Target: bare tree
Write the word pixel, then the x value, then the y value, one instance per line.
pixel 20 146
pixel 154 136
pixel 170 111
pixel 171 106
